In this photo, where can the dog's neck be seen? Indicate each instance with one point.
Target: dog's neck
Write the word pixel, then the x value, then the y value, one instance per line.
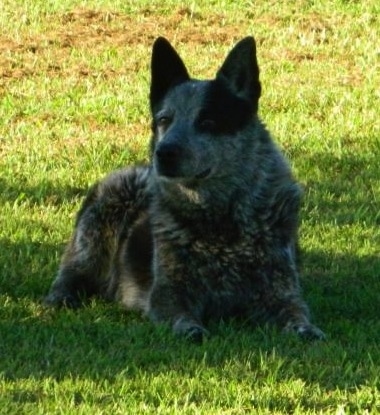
pixel 212 203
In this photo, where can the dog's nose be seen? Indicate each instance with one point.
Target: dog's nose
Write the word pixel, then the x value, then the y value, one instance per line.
pixel 168 159
pixel 168 152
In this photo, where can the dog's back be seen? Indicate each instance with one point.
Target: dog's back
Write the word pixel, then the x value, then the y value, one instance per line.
pixel 209 229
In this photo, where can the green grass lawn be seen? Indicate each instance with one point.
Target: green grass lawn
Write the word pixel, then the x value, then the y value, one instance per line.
pixel 74 80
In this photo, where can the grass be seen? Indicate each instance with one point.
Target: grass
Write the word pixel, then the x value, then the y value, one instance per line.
pixel 74 81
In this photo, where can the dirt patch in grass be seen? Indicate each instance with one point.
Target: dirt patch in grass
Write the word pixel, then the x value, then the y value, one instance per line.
pixel 90 31
pixel 67 42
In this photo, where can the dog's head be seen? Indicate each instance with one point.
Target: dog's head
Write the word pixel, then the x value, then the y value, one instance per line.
pixel 196 123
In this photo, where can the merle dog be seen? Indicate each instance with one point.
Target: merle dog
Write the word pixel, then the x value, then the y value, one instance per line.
pixel 209 228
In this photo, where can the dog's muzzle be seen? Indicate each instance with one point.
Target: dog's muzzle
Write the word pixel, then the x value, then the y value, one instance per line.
pixel 167 159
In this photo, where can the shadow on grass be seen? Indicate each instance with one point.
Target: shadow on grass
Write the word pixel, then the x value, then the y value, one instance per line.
pixel 342 190
pixel 101 341
pixel 46 193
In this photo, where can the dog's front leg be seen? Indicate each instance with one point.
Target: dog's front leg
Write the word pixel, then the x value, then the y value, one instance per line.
pixel 293 317
pixel 284 304
pixel 169 304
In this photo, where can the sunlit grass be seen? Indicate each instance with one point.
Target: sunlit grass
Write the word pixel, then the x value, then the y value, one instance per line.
pixel 74 80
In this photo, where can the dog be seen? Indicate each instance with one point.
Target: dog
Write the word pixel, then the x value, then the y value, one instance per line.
pixel 207 230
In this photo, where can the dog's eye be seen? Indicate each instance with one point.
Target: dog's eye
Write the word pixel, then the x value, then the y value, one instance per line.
pixel 164 121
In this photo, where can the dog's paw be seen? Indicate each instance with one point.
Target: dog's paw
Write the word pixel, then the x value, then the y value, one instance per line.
pixel 191 330
pixel 307 332
pixel 59 299
pixel 196 334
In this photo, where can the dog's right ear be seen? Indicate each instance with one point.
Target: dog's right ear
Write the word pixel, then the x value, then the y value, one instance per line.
pixel 167 70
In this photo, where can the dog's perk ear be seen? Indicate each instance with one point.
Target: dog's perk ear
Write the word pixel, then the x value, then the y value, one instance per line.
pixel 167 70
pixel 241 71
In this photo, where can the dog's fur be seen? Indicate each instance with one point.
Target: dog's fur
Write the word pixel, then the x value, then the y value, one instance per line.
pixel 209 228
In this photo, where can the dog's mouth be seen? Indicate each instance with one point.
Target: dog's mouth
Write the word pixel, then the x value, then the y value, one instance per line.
pixel 187 179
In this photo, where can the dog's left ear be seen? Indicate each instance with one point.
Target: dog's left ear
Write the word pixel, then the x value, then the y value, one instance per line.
pixel 241 71
pixel 167 70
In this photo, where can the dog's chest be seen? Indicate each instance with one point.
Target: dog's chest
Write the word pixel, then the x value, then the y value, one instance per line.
pixel 219 260
pixel 219 252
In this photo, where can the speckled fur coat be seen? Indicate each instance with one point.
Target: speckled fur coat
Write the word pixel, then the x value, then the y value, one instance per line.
pixel 209 228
